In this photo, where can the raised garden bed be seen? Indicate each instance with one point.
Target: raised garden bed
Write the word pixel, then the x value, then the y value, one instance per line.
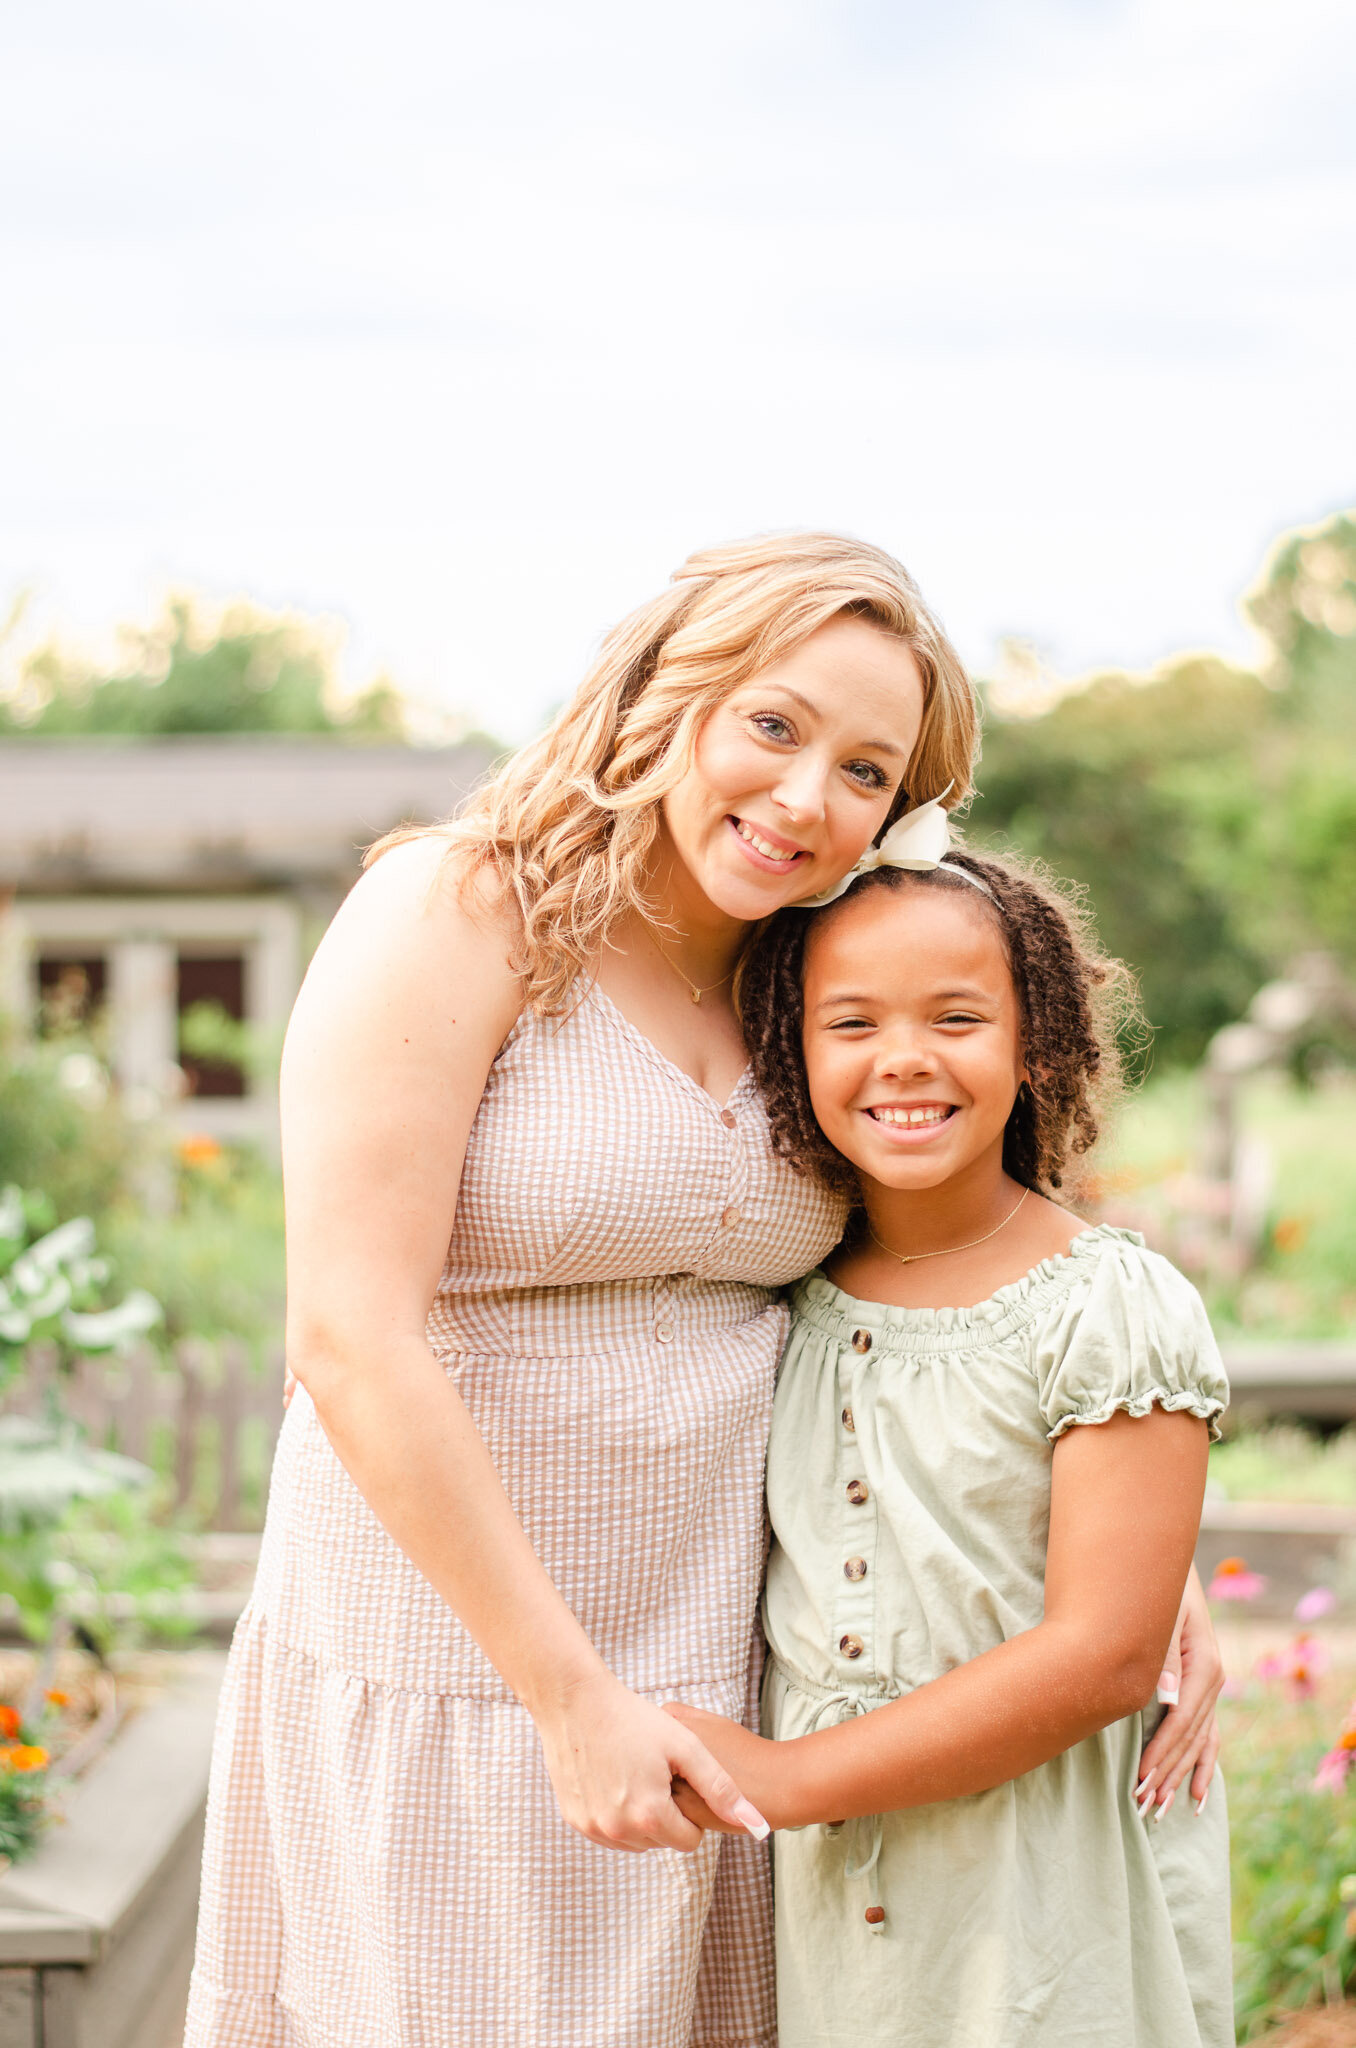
pixel 96 1928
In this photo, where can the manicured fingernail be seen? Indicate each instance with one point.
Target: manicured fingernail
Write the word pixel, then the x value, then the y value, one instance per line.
pixel 748 1816
pixel 1200 1803
pixel 1164 1807
pixel 1168 1693
pixel 1146 1802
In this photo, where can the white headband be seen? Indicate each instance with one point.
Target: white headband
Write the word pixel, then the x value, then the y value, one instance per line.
pixel 918 841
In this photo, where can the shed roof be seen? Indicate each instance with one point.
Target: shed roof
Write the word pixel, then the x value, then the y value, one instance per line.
pixel 207 814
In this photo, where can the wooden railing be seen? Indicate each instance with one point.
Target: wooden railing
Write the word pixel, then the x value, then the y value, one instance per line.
pixel 206 1420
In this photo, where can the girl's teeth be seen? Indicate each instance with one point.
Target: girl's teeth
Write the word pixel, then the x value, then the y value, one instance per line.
pixel 761 845
pixel 911 1116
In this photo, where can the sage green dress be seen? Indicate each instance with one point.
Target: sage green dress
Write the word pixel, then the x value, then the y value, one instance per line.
pixel 909 1490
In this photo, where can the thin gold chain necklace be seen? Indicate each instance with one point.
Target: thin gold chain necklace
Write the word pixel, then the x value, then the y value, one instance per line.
pixel 697 993
pixel 909 1258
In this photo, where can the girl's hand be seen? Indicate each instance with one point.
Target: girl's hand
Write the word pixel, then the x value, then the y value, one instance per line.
pixel 613 1761
pixel 1186 1741
pixel 765 1770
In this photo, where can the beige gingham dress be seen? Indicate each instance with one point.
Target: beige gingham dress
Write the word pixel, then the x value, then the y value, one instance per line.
pixel 385 1864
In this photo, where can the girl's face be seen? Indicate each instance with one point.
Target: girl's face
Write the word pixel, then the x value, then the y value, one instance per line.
pixel 794 774
pixel 912 1033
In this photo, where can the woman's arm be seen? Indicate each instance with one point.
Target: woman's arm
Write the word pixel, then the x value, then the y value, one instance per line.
pixel 1124 1509
pixel 406 1003
pixel 1187 1738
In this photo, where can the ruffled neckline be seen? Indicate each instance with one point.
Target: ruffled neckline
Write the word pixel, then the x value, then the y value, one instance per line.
pixel 819 1300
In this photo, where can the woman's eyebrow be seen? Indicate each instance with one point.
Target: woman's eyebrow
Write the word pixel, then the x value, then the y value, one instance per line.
pixel 878 746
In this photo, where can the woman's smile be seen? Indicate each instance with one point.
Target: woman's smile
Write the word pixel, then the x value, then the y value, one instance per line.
pixel 767 848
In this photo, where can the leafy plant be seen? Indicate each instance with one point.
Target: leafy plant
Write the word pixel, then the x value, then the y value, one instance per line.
pixel 1294 1848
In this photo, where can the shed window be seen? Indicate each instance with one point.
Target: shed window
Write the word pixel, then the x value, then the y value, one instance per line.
pixel 70 990
pixel 217 982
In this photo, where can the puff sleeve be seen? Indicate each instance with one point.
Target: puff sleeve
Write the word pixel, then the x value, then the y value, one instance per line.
pixel 1132 1333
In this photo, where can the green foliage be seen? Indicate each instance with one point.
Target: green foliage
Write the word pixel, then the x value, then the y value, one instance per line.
pixel 1292 1848
pixel 246 671
pixel 52 1285
pixel 215 1261
pixel 1280 1461
pixel 1303 1283
pixel 1210 812
pixel 61 1128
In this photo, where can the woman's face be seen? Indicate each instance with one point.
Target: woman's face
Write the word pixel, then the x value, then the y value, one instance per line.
pixel 912 1034
pixel 794 774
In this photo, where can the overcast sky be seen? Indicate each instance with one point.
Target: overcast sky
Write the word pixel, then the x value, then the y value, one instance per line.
pixel 464 324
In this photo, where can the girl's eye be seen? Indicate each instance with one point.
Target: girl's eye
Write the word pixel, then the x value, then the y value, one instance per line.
pixel 961 1017
pixel 851 1024
pixel 868 774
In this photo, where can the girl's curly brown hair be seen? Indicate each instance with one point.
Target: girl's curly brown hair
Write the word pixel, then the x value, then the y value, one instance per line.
pixel 1075 1003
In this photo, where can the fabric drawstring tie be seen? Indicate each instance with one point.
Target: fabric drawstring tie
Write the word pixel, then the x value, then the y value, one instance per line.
pixel 866 1833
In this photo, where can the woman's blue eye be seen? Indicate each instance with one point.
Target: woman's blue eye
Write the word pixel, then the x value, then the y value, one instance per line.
pixel 767 719
pixel 868 773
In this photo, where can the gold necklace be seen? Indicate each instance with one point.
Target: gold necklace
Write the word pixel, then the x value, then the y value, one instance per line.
pixel 697 993
pixel 909 1258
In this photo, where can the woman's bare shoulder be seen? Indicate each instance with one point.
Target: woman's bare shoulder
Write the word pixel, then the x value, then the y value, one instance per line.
pixel 419 945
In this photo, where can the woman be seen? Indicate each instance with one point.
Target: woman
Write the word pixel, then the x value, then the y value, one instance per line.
pixel 534 1233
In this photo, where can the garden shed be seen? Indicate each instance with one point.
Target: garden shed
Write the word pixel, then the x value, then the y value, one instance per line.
pixel 140 878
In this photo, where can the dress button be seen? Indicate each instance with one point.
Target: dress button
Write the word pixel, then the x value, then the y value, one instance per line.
pixel 855 1568
pixel 858 1491
pixel 729 1119
pixel 731 1216
pixel 861 1340
pixel 663 1333
pixel 851 1646
pixel 848 1422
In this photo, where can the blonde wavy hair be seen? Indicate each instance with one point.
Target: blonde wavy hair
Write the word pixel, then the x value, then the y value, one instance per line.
pixel 567 824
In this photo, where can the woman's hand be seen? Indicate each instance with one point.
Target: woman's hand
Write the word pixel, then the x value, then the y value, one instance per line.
pixel 765 1770
pixel 1186 1740
pixel 613 1760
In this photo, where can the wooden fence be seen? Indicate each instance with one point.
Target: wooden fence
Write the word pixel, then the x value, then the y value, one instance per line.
pixel 206 1421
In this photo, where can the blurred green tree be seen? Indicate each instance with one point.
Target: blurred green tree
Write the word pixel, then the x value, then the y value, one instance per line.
pixel 244 671
pixel 1209 811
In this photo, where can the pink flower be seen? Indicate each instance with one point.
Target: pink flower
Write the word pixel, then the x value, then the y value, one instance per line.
pixel 1269 1666
pixel 1233 1581
pixel 1331 1775
pixel 1303 1664
pixel 1314 1604
pixel 1336 1766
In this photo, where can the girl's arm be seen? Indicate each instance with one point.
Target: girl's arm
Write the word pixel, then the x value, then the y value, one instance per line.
pixel 402 1013
pixel 1125 1506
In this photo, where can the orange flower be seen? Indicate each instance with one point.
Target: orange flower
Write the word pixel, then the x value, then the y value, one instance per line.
pixel 1290 1233
pixel 58 1699
pixel 26 1756
pixel 9 1722
pixel 197 1149
pixel 1347 1739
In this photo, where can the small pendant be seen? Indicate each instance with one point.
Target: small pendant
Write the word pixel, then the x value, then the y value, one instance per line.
pixel 696 995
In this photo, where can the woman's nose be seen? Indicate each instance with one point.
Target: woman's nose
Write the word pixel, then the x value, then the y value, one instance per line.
pixel 799 791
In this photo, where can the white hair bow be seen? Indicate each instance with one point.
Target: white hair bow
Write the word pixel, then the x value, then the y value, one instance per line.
pixel 918 841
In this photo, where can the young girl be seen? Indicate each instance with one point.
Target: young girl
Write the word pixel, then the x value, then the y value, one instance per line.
pixel 985 1477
